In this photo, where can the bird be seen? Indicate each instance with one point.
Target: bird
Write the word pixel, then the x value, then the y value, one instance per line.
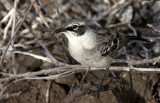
pixel 94 46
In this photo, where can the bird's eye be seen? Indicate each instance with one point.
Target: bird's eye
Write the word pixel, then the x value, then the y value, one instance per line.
pixel 75 27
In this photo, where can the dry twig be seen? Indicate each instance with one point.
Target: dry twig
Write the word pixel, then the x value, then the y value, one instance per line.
pixel 133 62
pixel 1 61
pixel 154 28
pixel 40 13
pixel 7 96
pixel 48 92
pixel 70 69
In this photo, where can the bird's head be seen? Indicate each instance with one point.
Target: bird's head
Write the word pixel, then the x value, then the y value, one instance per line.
pixel 74 27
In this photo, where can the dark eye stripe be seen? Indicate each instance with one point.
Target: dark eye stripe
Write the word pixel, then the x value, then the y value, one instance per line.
pixel 71 29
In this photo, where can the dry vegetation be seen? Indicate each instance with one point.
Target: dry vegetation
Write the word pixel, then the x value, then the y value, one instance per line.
pixel 36 67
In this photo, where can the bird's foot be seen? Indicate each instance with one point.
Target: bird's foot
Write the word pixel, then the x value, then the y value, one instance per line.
pixel 97 91
pixel 80 85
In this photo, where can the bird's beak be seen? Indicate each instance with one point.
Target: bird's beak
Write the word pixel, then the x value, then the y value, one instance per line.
pixel 60 30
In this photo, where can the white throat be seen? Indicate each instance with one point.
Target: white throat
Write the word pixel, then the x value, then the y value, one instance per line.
pixel 86 41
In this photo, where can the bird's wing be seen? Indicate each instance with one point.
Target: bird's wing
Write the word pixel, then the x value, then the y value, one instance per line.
pixel 109 41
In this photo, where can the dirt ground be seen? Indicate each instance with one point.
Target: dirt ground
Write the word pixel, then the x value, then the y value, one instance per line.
pixel 121 86
pixel 140 89
pixel 125 88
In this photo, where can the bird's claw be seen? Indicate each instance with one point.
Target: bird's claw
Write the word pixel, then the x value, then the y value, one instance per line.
pixel 80 85
pixel 97 91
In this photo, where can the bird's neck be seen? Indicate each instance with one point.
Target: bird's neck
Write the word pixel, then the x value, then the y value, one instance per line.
pixel 86 41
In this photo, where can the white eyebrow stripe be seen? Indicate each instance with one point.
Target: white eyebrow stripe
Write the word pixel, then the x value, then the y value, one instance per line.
pixel 75 23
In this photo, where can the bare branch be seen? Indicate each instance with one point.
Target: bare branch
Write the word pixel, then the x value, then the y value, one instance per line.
pixel 13 34
pixel 48 92
pixel 84 13
pixel 154 28
pixel 7 96
pixel 116 6
pixel 133 62
pixel 40 13
pixel 137 62
pixel 1 61
pixel 70 69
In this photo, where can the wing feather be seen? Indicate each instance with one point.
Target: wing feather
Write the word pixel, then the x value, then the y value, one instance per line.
pixel 109 41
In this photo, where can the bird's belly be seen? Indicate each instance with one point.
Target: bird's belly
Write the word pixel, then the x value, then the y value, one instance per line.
pixel 91 58
pixel 96 62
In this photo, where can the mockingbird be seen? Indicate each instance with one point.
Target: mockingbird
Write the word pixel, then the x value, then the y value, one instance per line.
pixel 94 46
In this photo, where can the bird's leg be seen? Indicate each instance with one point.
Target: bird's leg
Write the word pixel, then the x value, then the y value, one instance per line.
pixel 80 85
pixel 100 86
pixel 81 82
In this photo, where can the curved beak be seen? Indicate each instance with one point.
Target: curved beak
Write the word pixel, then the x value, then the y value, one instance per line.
pixel 60 30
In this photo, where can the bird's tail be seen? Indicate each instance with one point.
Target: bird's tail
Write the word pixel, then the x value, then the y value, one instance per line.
pixel 138 38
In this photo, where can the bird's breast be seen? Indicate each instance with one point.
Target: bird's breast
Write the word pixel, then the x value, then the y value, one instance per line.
pixel 89 57
pixel 85 51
